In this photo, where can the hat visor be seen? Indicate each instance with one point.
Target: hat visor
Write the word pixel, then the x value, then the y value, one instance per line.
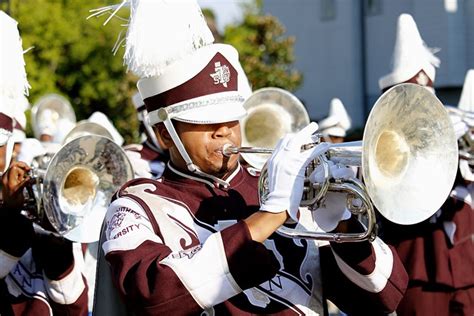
pixel 213 114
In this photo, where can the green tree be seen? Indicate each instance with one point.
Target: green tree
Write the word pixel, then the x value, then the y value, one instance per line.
pixel 73 56
pixel 265 52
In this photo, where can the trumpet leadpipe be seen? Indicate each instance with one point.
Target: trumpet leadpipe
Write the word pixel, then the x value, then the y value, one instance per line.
pixel 348 154
pixel 229 150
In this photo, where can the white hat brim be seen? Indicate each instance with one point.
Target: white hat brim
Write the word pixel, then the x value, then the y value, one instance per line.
pixel 213 114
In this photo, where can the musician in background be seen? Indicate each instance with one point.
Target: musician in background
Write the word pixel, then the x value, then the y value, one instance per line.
pixel 38 272
pixel 437 253
pixel 197 240
pixel 103 120
pixel 147 158
pixel 335 126
pixel 466 103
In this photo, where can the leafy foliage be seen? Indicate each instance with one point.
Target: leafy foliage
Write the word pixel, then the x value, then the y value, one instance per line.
pixel 72 56
pixel 265 53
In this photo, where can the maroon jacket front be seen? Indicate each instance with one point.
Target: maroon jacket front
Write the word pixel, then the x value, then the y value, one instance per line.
pixel 178 245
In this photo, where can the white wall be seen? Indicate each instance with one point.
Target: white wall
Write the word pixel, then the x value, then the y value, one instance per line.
pixel 327 52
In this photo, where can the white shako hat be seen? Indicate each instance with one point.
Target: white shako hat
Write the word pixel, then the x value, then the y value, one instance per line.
pixel 102 119
pixel 183 75
pixel 410 56
pixel 338 121
pixel 466 102
pixel 205 87
pixel 142 115
pixel 13 82
pixel 139 106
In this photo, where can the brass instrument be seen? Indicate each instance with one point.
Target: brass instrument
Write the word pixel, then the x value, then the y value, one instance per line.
pixel 87 128
pixel 56 108
pixel 408 157
pixel 75 190
pixel 274 111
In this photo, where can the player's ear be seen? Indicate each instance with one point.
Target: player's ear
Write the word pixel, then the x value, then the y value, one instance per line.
pixel 163 137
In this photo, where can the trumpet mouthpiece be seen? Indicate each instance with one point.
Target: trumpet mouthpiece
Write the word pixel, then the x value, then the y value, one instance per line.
pixel 229 149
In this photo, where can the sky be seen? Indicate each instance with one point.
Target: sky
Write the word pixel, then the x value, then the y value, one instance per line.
pixel 226 11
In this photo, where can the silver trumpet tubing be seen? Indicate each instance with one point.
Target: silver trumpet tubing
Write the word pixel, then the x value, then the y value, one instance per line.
pixel 408 159
pixel 74 191
pixel 466 142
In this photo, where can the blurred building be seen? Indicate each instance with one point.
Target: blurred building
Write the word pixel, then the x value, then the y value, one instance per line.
pixel 344 47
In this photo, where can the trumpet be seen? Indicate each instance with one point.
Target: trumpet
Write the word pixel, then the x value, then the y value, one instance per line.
pixel 72 189
pixel 408 157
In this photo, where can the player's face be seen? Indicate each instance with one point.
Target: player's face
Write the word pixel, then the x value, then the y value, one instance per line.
pixel 204 143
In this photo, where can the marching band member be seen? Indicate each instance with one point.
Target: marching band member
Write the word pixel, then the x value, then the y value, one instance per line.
pixel 197 240
pixel 148 158
pixel 466 103
pixel 437 253
pixel 52 119
pixel 102 119
pixel 38 272
pixel 413 61
pixel 335 126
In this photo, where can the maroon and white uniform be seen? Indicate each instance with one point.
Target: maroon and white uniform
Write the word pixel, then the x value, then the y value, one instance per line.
pixel 439 257
pixel 147 161
pixel 179 245
pixel 25 288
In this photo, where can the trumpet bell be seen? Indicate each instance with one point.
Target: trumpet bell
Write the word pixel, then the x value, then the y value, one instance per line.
pixel 271 114
pixel 84 128
pixel 80 180
pixel 409 155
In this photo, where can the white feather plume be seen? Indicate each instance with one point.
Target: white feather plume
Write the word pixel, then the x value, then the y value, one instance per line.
pixel 13 82
pixel 161 32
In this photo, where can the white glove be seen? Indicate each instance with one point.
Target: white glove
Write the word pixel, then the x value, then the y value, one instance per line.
pixel 333 208
pixel 286 171
pixel 460 127
pixel 141 167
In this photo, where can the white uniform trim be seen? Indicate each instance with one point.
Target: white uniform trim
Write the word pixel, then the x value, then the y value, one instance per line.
pixel 374 282
pixel 68 289
pixel 184 175
pixel 7 262
pixel 137 228
pixel 462 193
pixel 213 284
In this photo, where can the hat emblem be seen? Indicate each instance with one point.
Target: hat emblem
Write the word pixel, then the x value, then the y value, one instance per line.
pixel 221 75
